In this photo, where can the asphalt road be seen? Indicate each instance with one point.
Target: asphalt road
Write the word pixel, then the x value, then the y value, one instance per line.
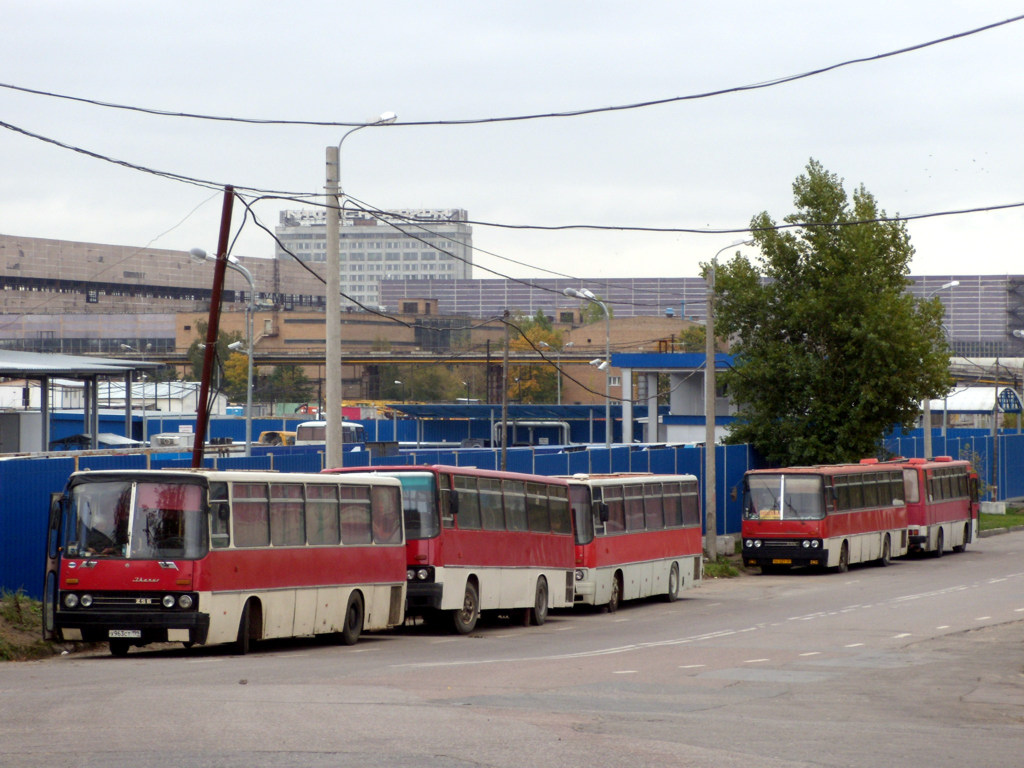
pixel 918 664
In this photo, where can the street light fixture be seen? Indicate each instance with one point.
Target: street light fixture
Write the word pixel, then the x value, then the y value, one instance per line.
pixel 587 295
pixel 332 341
pixel 199 255
pixel 710 388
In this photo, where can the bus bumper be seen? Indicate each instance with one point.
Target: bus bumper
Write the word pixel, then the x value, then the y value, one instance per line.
pixel 138 628
pixel 422 597
pixel 783 554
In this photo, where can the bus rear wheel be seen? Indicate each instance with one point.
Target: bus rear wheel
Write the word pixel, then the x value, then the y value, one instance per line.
pixel 243 643
pixel 673 584
pixel 963 547
pixel 464 620
pixel 353 626
pixel 539 612
pixel 940 543
pixel 886 558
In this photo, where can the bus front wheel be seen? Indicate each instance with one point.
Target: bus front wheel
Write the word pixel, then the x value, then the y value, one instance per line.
pixel 844 559
pixel 464 619
pixel 940 543
pixel 119 648
pixel 615 598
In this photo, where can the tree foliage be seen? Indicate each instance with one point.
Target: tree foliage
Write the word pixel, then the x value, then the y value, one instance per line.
pixel 831 349
pixel 535 383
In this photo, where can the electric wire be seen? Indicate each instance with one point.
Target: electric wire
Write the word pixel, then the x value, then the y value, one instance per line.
pixel 535 116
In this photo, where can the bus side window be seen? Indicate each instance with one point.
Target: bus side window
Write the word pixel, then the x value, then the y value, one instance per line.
pixel 220 516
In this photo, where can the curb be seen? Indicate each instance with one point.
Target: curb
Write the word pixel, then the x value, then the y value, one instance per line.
pixel 999 531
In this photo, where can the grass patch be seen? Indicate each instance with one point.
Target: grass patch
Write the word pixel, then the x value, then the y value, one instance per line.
pixel 21 628
pixel 722 568
pixel 1013 516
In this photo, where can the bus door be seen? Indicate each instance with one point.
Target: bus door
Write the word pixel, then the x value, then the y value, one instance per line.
pixel 51 579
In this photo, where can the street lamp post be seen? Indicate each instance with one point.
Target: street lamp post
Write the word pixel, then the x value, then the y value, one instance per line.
pixel 558 365
pixel 927 405
pixel 710 387
pixel 200 255
pixel 587 295
pixel 128 394
pixel 332 341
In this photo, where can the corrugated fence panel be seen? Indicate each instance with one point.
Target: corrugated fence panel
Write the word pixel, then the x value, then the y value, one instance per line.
pixel 25 487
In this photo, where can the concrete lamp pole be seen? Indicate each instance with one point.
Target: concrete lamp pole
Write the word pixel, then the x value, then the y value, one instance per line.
pixel 332 363
pixel 710 481
pixel 604 365
pixel 198 254
pixel 927 404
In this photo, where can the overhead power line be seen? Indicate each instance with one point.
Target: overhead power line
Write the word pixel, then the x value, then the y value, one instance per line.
pixel 535 116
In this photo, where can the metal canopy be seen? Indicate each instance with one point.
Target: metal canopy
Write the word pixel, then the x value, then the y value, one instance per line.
pixel 42 367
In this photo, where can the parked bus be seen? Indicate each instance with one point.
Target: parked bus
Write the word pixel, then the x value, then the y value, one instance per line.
pixel 830 516
pixel 636 536
pixel 315 433
pixel 479 540
pixel 942 504
pixel 204 557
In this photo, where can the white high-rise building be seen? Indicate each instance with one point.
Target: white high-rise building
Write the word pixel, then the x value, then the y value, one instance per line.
pixel 434 244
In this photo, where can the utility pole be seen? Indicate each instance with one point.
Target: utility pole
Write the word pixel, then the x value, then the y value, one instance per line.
pixel 504 397
pixel 332 362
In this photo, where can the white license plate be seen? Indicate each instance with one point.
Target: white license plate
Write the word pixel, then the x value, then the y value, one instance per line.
pixel 124 633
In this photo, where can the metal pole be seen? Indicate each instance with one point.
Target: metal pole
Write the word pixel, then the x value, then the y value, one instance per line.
pixel 213 327
pixel 710 500
pixel 332 362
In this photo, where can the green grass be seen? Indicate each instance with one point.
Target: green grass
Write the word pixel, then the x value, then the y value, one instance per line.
pixel 21 628
pixel 1013 516
pixel 720 569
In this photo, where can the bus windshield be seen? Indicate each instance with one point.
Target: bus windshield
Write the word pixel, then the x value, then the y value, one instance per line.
pixel 136 520
pixel 419 502
pixel 784 497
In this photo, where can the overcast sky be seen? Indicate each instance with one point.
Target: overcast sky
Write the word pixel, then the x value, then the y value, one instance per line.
pixel 928 131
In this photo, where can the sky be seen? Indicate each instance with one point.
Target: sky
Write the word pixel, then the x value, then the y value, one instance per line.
pixel 928 131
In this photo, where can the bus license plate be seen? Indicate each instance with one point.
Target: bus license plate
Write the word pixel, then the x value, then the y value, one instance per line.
pixel 782 561
pixel 135 633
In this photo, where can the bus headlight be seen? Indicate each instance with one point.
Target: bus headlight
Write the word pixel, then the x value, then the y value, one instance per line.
pixel 419 574
pixel 86 601
pixel 71 600
pixel 815 543
pixel 581 574
pixel 806 544
pixel 185 601
pixel 168 601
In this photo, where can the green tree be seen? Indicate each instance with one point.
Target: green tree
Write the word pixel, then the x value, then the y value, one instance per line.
pixel 831 349
pixel 197 351
pixel 287 384
pixel 535 383
pixel 692 339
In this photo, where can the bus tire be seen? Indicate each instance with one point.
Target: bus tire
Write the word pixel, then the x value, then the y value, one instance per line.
pixel 464 620
pixel 353 626
pixel 673 584
pixel 844 558
pixel 963 547
pixel 243 643
pixel 940 543
pixel 886 557
pixel 539 612
pixel 119 648
pixel 615 598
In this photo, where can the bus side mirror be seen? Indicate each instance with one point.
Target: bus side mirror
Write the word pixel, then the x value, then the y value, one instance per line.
pixel 602 511
pixel 453 503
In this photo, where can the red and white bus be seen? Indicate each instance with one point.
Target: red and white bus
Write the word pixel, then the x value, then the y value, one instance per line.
pixel 203 557
pixel 830 516
pixel 942 503
pixel 637 535
pixel 480 540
